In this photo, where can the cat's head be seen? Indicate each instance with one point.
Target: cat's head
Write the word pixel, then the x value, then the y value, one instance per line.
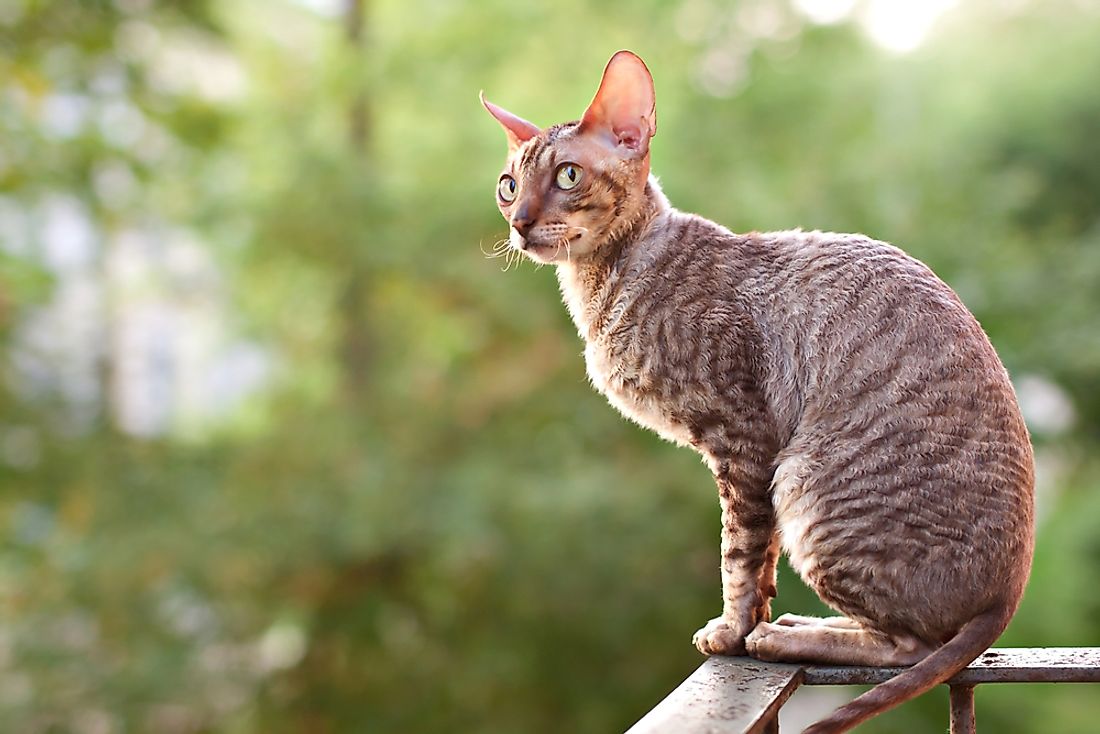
pixel 571 188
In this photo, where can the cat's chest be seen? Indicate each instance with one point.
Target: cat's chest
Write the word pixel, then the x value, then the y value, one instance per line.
pixel 634 381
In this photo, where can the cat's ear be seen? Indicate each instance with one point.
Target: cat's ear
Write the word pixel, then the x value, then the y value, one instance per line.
pixel 518 130
pixel 624 109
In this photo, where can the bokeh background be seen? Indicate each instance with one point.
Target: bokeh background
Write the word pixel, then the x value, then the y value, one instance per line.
pixel 281 449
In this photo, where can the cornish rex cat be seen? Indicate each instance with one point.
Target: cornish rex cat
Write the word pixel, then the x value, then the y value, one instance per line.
pixel 851 409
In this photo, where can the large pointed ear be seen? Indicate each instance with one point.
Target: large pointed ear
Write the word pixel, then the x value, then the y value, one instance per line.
pixel 624 109
pixel 518 130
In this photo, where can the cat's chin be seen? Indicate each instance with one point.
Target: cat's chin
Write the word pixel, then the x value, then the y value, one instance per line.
pixel 544 253
pixel 548 252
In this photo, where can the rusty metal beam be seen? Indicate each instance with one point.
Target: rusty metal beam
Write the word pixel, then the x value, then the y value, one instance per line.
pixel 997 665
pixel 962 710
pixel 724 696
pixel 743 696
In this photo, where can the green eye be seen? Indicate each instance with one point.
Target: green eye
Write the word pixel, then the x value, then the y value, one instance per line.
pixel 568 175
pixel 506 189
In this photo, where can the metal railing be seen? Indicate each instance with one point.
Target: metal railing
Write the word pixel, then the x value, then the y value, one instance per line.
pixel 743 696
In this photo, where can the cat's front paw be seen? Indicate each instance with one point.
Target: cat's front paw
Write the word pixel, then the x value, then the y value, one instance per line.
pixel 720 637
pixel 760 642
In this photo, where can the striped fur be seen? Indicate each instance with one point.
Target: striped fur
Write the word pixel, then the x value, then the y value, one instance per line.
pixel 851 409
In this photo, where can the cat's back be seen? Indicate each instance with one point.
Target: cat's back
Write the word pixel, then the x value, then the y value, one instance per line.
pixel 886 359
pixel 863 326
pixel 902 423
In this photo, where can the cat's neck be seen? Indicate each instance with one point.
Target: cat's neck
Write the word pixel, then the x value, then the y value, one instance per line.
pixel 589 281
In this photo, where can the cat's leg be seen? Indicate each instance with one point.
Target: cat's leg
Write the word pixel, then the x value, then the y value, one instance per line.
pixel 769 577
pixel 749 552
pixel 798 620
pixel 817 643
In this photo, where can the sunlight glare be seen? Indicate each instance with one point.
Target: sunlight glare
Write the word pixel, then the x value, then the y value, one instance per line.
pixel 826 12
pixel 899 26
pixel 902 25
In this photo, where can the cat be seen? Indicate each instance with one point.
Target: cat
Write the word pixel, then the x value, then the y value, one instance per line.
pixel 852 411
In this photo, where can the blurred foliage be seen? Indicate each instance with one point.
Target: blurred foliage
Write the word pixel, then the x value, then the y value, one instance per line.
pixel 426 520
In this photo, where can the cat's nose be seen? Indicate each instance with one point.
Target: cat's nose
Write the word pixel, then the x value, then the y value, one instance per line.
pixel 524 219
pixel 522 226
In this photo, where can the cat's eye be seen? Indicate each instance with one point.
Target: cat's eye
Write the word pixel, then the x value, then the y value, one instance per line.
pixel 506 189
pixel 568 175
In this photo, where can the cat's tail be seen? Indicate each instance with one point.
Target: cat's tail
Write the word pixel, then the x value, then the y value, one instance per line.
pixel 971 641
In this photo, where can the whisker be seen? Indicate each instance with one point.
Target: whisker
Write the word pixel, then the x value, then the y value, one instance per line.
pixel 511 258
pixel 562 240
pixel 499 249
pixel 567 238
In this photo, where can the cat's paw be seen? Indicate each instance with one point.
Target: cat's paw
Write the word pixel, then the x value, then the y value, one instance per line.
pixel 795 620
pixel 719 637
pixel 761 643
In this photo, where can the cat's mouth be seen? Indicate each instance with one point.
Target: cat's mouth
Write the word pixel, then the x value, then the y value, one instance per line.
pixel 536 246
pixel 550 249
